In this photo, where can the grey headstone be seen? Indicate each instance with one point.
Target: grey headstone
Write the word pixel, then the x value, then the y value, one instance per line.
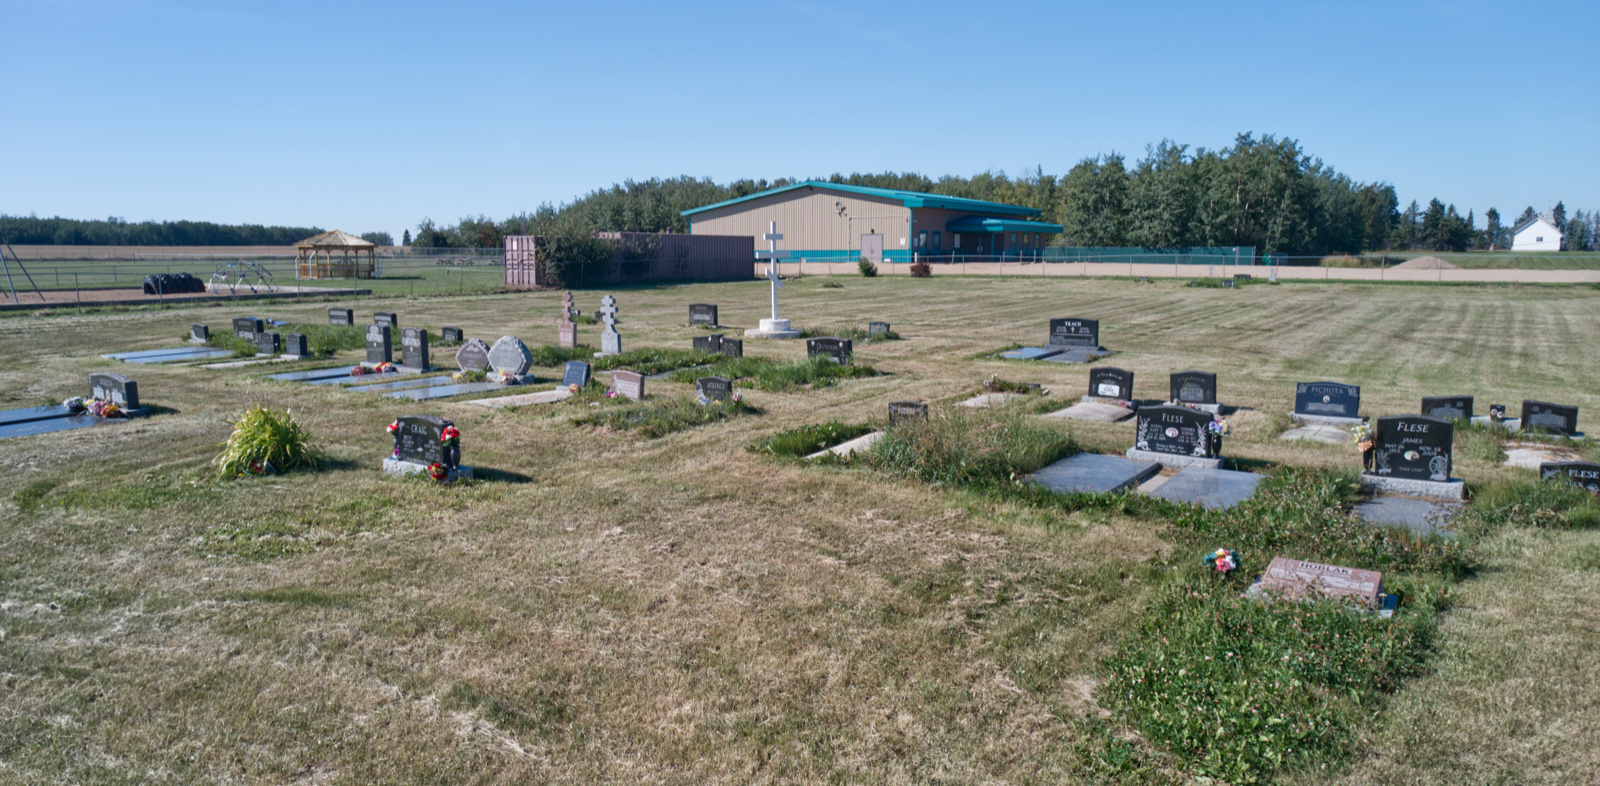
pixel 711 344
pixel 510 356
pixel 1413 447
pixel 1193 387
pixel 1093 472
pixel 1177 431
pixel 247 327
pixel 610 339
pixel 877 328
pixel 900 411
pixel 1448 407
pixel 268 343
pixel 733 347
pixel 473 355
pixel 451 335
pixel 576 372
pixel 199 333
pixel 414 348
pixel 712 389
pixel 566 329
pixel 386 318
pixel 296 346
pixel 115 388
pixel 1327 399
pixel 1208 488
pixel 341 316
pixel 1074 332
pixel 703 314
pixel 380 345
pixel 1553 418
pixel 1109 382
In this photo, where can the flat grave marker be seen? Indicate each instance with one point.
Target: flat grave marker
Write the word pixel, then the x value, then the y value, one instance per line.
pixel 1212 489
pixel 906 411
pixel 1296 579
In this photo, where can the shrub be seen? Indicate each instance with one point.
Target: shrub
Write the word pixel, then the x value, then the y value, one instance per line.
pixel 806 440
pixel 644 361
pixel 265 440
pixel 867 268
pixel 832 285
pixel 970 447
pixel 920 269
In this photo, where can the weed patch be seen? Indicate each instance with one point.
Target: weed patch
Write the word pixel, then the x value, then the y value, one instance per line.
pixel 541 714
pixel 644 361
pixel 855 333
pixel 970 448
pixel 776 377
pixel 806 440
pixel 659 418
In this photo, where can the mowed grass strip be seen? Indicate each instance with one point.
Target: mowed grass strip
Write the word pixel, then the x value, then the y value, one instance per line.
pixel 611 605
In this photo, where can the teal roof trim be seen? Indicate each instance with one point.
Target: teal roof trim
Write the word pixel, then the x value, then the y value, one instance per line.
pixel 981 224
pixel 907 198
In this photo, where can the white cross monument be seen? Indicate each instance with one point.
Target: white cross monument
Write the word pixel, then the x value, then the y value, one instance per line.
pixel 774 327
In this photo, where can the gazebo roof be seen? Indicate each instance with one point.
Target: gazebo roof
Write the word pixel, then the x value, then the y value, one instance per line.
pixel 334 239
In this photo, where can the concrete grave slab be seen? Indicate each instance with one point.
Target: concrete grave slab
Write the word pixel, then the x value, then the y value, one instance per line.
pixel 1452 489
pixel 1031 353
pixel 1093 411
pixel 444 391
pixel 1210 488
pixel 1318 432
pixel 375 385
pixel 1094 472
pixel 1422 517
pixel 1076 355
pixel 860 444
pixel 1529 455
pixel 523 399
pixel 313 374
pixel 51 425
pixel 251 362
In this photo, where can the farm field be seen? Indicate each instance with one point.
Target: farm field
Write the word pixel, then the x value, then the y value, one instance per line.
pixel 601 606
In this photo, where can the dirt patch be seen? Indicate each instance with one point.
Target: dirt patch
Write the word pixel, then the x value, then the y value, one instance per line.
pixel 1426 263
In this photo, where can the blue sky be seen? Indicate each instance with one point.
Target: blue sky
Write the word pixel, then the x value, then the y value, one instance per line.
pixel 372 115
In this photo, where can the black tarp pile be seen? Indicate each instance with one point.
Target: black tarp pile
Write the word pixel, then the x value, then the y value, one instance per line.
pixel 172 284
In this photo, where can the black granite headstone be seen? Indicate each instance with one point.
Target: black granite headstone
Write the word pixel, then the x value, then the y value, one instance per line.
pixel 199 332
pixel 733 347
pixel 1413 447
pixel 419 440
pixel 1194 387
pixel 115 388
pixel 713 389
pixel 1447 407
pixel 1179 431
pixel 1327 399
pixel 838 350
pixel 1583 474
pixel 576 372
pixel 451 335
pixel 268 343
pixel 703 314
pixel 414 348
pixel 711 344
pixel 386 318
pixel 380 346
pixel 341 316
pixel 1073 332
pixel 297 346
pixel 247 327
pixel 1109 382
pixel 901 411
pixel 877 328
pixel 1554 418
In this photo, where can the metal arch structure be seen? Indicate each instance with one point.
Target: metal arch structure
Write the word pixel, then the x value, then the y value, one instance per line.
pixel 234 274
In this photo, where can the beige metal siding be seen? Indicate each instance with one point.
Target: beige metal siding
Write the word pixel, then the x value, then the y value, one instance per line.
pixel 809 220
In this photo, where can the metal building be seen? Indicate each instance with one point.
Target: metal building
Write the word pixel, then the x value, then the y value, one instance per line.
pixel 839 223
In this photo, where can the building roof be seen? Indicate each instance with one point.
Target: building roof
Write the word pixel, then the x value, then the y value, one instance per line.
pixel 1528 222
pixel 981 224
pixel 908 198
pixel 334 239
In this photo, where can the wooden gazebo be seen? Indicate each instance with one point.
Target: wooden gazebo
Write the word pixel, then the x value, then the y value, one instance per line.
pixel 314 257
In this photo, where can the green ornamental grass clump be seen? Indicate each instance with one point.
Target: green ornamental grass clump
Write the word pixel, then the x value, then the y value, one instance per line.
pixel 265 441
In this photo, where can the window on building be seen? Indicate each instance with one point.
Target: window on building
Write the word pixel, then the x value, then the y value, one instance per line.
pixel 1538 240
pixel 955 241
pixel 922 238
pixel 1013 239
pixel 938 240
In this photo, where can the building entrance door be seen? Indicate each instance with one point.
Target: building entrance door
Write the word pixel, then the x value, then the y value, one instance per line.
pixel 872 248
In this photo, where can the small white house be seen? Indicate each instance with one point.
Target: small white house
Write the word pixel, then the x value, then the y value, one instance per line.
pixel 1536 234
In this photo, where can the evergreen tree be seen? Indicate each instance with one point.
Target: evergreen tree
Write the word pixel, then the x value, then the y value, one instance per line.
pixel 1558 216
pixel 1492 229
pixel 405 240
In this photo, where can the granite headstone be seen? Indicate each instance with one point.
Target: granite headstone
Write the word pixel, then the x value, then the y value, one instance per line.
pixel 576 372
pixel 297 346
pixel 1583 474
pixel 1295 579
pixel 733 347
pixel 473 355
pixel 419 440
pixel 1109 382
pixel 510 356
pixel 1327 399
pixel 414 348
pixel 1413 447
pixel 1193 387
pixel 1073 332
pixel 902 411
pixel 386 318
pixel 1552 418
pixel 380 347
pixel 115 388
pixel 1447 407
pixel 268 343
pixel 703 314
pixel 710 345
pixel 247 327
pixel 1177 431
pixel 199 333
pixel 628 384
pixel 877 328
pixel 341 316
pixel 839 350
pixel 451 335
pixel 712 389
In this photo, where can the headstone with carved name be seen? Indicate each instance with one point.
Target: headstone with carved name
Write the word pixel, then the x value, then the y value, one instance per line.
pixel 1542 416
pixel 1448 407
pixel 1176 436
pixel 838 350
pixel 117 389
pixel 247 327
pixel 1112 383
pixel 1196 388
pixel 420 441
pixel 341 316
pixel 903 411
pixel 268 343
pixel 877 328
pixel 1411 456
pixel 386 318
pixel 703 314
pixel 1583 474
pixel 451 335
pixel 713 389
pixel 1332 403
pixel 733 347
pixel 473 355
pixel 380 346
pixel 199 334
pixel 576 372
pixel 628 384
pixel 414 348
pixel 510 357
pixel 1299 580
pixel 296 346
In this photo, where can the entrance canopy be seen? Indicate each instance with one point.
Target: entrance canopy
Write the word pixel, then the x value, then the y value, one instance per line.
pixel 981 224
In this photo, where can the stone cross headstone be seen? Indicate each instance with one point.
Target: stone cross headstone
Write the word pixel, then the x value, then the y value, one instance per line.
pixel 733 347
pixel 566 329
pixel 772 255
pixel 450 335
pixel 414 348
pixel 1193 387
pixel 1178 431
pixel 114 388
pixel 1413 447
pixel 1110 382
pixel 341 316
pixel 199 333
pixel 902 411
pixel 268 343
pixel 1295 579
pixel 380 347
pixel 1327 399
pixel 712 389
pixel 473 355
pixel 247 327
pixel 877 328
pixel 510 356
pixel 610 339
pixel 838 350
pixel 1583 474
pixel 711 344
pixel 1073 332
pixel 386 318
pixel 703 314
pixel 418 440
pixel 628 384
pixel 1553 418
pixel 1448 407
pixel 297 346
pixel 576 372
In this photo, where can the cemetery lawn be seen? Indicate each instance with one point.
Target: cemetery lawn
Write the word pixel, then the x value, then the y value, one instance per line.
pixel 603 606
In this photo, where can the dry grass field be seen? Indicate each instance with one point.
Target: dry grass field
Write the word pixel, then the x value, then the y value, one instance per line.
pixel 603 607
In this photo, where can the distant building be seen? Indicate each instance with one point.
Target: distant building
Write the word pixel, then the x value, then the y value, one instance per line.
pixel 840 223
pixel 1535 234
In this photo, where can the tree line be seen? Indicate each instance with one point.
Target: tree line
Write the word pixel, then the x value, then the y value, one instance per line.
pixel 114 231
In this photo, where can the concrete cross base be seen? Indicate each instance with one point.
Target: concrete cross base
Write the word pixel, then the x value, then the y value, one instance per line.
pixel 397 467
pixel 773 328
pixel 1174 460
pixel 1327 420
pixel 1450 489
